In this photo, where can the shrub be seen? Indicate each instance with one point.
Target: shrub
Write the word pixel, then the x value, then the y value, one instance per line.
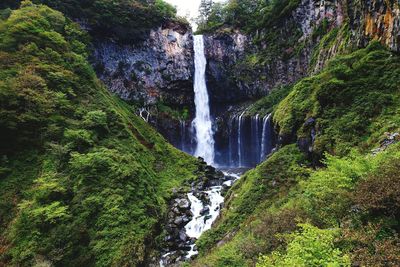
pixel 373 244
pixel 308 247
pixel 379 194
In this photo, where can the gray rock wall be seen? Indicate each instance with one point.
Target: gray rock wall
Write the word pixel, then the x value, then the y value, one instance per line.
pixel 160 68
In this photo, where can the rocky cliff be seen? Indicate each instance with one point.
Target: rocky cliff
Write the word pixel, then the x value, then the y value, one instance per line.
pixel 158 69
pixel 242 67
pixel 247 66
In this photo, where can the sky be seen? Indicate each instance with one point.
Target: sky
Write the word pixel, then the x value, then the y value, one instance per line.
pixel 188 7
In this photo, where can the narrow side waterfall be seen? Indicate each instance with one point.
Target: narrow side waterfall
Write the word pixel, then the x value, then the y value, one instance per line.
pixel 182 124
pixel 250 140
pixel 255 135
pixel 266 145
pixel 202 122
pixel 240 136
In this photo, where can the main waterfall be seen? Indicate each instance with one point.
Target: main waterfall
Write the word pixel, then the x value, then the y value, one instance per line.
pixel 194 212
pixel 202 122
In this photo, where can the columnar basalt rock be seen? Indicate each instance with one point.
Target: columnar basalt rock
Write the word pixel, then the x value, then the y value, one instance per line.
pixel 158 69
pixel 231 80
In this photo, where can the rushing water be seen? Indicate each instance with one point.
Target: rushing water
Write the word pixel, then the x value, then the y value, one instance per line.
pixel 249 143
pixel 202 122
pixel 266 145
pixel 203 222
pixel 204 214
pixel 183 135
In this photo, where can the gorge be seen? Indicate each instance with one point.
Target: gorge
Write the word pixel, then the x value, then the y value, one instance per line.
pixel 268 137
pixel 202 204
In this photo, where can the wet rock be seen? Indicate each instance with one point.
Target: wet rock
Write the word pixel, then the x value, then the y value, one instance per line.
pixel 305 144
pixel 181 220
pixel 309 122
pixel 207 217
pixel 183 204
pixel 192 240
pixel 183 236
pixel 160 67
pixel 388 140
pixel 205 211
pixel 168 238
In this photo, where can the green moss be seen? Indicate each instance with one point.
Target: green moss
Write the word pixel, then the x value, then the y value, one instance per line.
pixel 88 180
pixel 267 104
pixel 267 181
pixel 338 38
pixel 352 95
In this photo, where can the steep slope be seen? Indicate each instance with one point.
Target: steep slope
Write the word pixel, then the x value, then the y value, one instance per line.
pixel 348 109
pixel 275 43
pixel 312 202
pixel 84 181
pixel 143 53
pixel 123 20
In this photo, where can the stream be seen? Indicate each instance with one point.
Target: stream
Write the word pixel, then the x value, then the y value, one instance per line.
pixel 194 212
pixel 205 206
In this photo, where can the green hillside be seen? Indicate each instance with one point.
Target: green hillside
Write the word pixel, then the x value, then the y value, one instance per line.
pixel 337 204
pixel 83 181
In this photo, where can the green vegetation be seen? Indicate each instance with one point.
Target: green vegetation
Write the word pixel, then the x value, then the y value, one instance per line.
pixel 247 15
pixel 267 183
pixel 354 100
pixel 126 20
pixel 83 181
pixel 267 104
pixel 347 210
pixel 309 247
pixel 328 217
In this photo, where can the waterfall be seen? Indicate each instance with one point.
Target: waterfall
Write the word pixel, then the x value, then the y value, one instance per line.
pixel 183 134
pixel 240 148
pixel 202 122
pixel 231 140
pixel 255 121
pixel 265 137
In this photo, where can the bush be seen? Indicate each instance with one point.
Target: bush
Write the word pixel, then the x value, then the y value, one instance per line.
pixel 308 247
pixel 379 194
pixel 347 100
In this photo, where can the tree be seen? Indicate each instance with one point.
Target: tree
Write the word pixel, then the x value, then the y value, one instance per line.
pixel 205 10
pixel 309 247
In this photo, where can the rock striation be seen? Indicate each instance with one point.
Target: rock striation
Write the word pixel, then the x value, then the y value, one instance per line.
pixel 159 69
pixel 236 74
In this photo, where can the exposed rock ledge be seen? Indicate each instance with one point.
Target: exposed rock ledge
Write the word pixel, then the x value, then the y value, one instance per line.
pixel 160 68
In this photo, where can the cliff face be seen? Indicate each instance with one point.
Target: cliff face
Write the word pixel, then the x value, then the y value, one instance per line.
pixel 241 67
pixel 223 51
pixel 160 68
pixel 244 66
pixel 380 20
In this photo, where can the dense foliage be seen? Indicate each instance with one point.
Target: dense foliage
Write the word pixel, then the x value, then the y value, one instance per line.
pixel 83 181
pixel 247 15
pixel 126 20
pixel 354 101
pixel 328 217
pixel 345 212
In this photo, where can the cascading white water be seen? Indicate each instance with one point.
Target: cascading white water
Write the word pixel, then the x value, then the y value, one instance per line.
pixel 231 140
pixel 183 134
pixel 265 136
pixel 240 121
pixel 255 131
pixel 202 122
pixel 201 223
